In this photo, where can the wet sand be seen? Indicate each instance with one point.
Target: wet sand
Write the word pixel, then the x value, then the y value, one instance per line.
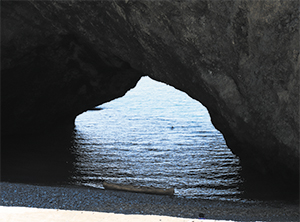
pixel 84 200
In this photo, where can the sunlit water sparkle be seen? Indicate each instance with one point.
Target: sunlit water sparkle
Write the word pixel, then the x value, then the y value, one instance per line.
pixel 155 136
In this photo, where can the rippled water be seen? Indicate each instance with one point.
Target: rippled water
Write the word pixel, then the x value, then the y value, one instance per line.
pixel 155 136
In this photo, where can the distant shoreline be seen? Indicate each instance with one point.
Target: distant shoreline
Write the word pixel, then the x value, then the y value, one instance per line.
pixel 95 109
pixel 97 200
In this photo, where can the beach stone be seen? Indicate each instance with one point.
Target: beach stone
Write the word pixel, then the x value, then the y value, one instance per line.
pixel 104 201
pixel 240 59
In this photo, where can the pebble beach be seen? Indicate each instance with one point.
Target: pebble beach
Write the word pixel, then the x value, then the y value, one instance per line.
pixel 118 204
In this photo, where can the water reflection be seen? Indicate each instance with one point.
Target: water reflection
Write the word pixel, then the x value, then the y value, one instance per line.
pixel 197 169
pixel 67 156
pixel 155 135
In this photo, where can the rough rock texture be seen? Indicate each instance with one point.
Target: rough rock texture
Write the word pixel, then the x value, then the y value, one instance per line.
pixel 238 58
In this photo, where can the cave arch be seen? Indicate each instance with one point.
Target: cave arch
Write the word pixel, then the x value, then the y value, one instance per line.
pixel 59 59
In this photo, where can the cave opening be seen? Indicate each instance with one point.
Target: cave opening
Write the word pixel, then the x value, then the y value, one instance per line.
pixel 156 136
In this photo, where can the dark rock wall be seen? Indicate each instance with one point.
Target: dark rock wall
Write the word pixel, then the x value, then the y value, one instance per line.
pixel 238 58
pixel 50 75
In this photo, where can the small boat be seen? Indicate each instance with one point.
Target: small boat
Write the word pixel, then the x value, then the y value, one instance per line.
pixel 138 189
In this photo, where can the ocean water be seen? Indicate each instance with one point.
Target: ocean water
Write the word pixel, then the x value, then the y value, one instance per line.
pixel 155 136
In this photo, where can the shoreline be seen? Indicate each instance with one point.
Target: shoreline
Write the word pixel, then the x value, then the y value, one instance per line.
pixel 118 202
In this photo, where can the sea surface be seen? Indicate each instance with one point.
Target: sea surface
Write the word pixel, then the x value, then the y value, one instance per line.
pixel 155 136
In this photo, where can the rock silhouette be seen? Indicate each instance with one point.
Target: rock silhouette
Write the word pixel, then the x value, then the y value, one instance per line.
pixel 240 59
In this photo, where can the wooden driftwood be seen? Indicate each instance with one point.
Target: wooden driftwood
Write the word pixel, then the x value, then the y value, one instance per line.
pixel 138 189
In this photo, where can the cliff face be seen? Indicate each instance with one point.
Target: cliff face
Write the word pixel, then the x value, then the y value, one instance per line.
pixel 240 59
